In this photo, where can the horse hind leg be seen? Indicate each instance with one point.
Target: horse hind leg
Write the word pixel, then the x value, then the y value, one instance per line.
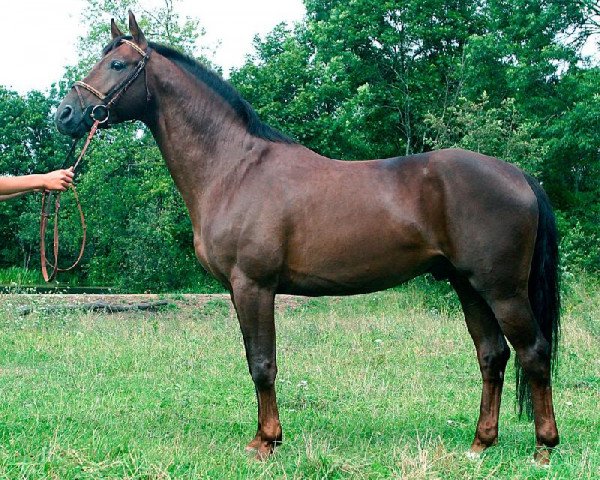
pixel 492 355
pixel 520 327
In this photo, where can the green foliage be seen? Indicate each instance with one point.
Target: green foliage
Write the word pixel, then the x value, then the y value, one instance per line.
pixel 370 68
pixel 498 131
pixel 354 80
pixel 29 143
pixel 574 143
pixel 578 245
pixel 18 276
pixel 162 23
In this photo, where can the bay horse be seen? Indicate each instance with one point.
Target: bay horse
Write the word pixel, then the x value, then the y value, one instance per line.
pixel 271 216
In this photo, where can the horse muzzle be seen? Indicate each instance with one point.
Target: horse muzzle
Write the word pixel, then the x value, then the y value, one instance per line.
pixel 75 123
pixel 69 121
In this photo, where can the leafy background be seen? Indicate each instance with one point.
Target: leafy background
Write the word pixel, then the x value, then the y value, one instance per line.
pixel 354 80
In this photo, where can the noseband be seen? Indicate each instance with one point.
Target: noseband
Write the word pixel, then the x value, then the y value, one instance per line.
pixel 93 116
pixel 101 112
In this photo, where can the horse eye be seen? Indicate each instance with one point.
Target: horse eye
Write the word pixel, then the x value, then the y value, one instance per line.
pixel 117 65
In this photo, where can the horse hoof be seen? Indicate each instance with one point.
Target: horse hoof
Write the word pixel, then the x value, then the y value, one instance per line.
pixel 254 445
pixel 261 449
pixel 261 452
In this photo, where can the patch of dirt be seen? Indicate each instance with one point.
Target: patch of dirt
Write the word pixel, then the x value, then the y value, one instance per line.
pixel 182 300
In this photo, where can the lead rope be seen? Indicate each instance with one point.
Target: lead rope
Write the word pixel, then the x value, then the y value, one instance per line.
pixel 44 219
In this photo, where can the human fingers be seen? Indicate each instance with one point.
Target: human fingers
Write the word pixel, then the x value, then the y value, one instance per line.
pixel 68 174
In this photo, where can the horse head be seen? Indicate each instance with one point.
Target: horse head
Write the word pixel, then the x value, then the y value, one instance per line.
pixel 115 89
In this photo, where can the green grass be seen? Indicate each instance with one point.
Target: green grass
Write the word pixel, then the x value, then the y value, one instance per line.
pixel 17 276
pixel 18 279
pixel 378 386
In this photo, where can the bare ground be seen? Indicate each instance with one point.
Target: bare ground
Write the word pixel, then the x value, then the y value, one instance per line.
pixel 181 300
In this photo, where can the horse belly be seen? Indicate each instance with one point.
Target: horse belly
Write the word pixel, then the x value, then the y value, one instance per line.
pixel 355 260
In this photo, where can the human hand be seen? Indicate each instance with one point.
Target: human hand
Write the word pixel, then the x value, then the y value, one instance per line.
pixel 58 179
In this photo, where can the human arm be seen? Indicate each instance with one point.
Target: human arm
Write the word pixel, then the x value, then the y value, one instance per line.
pixel 56 180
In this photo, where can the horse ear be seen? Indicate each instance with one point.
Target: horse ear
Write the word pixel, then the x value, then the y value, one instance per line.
pixel 136 32
pixel 114 30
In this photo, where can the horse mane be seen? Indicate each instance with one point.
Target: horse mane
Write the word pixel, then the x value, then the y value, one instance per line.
pixel 254 125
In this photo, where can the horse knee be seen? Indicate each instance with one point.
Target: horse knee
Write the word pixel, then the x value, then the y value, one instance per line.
pixel 263 373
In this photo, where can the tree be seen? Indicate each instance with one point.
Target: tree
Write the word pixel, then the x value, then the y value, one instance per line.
pixel 139 233
pixel 28 144
pixel 380 64
pixel 367 79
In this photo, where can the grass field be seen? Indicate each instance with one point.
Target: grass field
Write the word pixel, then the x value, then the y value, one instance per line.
pixel 378 386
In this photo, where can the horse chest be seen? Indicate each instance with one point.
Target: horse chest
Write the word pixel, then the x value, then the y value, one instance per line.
pixel 204 257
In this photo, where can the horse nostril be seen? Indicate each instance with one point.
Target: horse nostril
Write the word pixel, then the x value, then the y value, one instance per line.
pixel 66 114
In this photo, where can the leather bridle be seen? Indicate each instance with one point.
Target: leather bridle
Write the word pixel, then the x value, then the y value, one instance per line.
pixel 93 116
pixel 101 112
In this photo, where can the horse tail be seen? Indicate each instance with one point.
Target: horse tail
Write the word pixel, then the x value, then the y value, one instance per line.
pixel 544 291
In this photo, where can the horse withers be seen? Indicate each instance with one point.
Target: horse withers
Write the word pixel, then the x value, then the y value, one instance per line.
pixel 271 216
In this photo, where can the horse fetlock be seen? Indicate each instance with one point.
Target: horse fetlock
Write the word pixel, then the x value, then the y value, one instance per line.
pixel 547 437
pixel 271 432
pixel 486 436
pixel 254 444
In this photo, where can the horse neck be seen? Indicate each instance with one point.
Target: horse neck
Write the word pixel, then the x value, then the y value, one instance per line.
pixel 199 135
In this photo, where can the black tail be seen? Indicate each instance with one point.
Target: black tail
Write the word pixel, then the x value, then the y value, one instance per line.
pixel 544 292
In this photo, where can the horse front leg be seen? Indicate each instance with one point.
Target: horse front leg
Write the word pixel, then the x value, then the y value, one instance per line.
pixel 254 305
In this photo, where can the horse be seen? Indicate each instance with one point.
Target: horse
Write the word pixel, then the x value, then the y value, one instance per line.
pixel 270 216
